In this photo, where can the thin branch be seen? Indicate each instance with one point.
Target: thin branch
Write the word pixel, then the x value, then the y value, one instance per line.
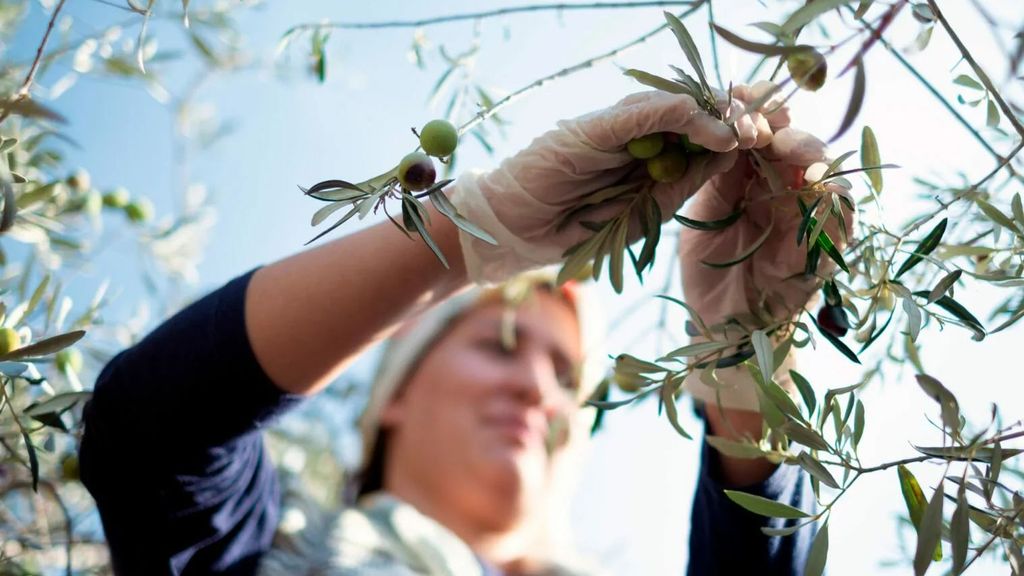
pixel 934 92
pixel 486 14
pixel 589 63
pixel 714 45
pixel 22 92
pixel 963 193
pixel 1010 116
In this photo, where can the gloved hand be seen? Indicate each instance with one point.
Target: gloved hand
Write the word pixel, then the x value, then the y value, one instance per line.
pixel 522 202
pixel 770 285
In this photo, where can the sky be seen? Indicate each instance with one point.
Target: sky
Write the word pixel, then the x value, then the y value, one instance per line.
pixel 632 510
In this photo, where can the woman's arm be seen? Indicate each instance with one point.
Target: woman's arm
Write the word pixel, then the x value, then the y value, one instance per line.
pixel 308 316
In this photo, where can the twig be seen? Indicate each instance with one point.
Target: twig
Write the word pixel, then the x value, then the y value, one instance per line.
pixel 1004 162
pixel 589 63
pixel 22 92
pixel 486 14
pixel 714 45
pixel 934 92
pixel 1010 116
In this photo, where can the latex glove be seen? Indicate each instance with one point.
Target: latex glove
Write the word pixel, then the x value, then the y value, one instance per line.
pixel 770 285
pixel 522 201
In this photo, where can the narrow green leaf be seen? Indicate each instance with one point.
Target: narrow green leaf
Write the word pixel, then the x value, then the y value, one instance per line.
pixel 58 403
pixel 33 460
pixel 818 556
pixel 763 350
pixel 869 156
pixel 746 253
pixel 929 546
pixel 944 285
pixel 805 222
pixel 806 391
pixel 809 12
pixel 968 82
pixel 863 8
pixel 962 314
pixel 411 209
pixel 803 435
pixel 756 47
pixel 960 532
pixel 655 81
pixel 45 346
pixel 858 424
pixel 913 496
pixel 735 449
pixel 833 252
pixel 7 143
pixel 1018 210
pixel 856 96
pixel 764 506
pixel 668 398
pixel 698 349
pixel 983 454
pixel 927 246
pixel 836 342
pixel 29 108
pixel 689 48
pixel 445 207
pixel 997 216
pixel 992 117
pixel 817 470
pixel 710 225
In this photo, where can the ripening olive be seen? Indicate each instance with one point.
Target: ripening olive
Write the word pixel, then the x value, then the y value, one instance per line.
pixel 69 468
pixel 9 340
pixel 832 319
pixel 416 172
pixel 140 210
pixel 117 198
pixel 646 147
pixel 439 138
pixel 669 166
pixel 69 360
pixel 808 68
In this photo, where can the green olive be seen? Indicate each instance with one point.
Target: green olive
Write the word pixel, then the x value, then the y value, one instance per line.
pixel 439 138
pixel 647 146
pixel 69 360
pixel 808 68
pixel 690 147
pixel 669 166
pixel 9 340
pixel 416 172
pixel 140 210
pixel 117 198
pixel 69 468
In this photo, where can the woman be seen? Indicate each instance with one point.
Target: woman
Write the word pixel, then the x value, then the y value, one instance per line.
pixel 468 428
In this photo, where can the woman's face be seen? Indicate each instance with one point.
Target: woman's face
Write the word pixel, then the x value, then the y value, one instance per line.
pixel 470 428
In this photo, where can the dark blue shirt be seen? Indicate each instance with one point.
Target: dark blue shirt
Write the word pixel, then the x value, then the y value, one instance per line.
pixel 174 456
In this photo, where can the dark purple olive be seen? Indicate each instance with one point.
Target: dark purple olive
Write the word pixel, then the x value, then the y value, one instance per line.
pixel 832 319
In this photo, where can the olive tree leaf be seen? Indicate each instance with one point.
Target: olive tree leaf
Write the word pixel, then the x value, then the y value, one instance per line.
pixel 710 225
pixel 968 82
pixel 33 460
pixel 858 423
pixel 829 247
pixel 944 285
pixel 992 116
pixel 689 49
pixel 836 342
pixel 997 216
pixel 764 506
pixel 801 434
pixel 10 210
pixel 45 346
pixel 856 96
pixel 863 8
pixel 949 407
pixel 763 350
pixel 698 349
pixel 929 533
pixel 960 531
pixel 926 247
pixel 734 449
pixel 809 12
pixel 58 403
pixel 818 556
pixel 655 81
pixel 29 108
pixel 445 207
pixel 744 255
pixel 869 156
pixel 981 454
pixel 817 470
pixel 962 314
pixel 757 47
pixel 805 389
pixel 913 496
pixel 668 399
pixel 412 216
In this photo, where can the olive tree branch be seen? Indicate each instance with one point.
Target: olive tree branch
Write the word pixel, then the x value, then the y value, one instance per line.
pixel 1004 162
pixel 1010 116
pixel 22 92
pixel 487 14
pixel 934 92
pixel 589 63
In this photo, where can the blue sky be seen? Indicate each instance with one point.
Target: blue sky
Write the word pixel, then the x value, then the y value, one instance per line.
pixel 632 512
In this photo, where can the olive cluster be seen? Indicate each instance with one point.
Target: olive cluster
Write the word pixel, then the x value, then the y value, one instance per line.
pixel 416 171
pixel 666 154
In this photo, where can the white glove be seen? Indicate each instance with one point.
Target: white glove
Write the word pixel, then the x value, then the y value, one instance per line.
pixel 522 201
pixel 769 283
